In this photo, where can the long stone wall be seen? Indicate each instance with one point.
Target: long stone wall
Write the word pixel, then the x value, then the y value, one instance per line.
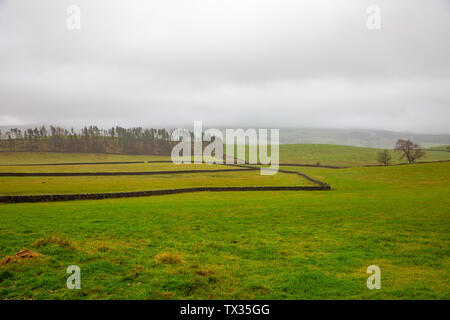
pixel 321 186
pixel 69 163
pixel 98 196
pixel 123 173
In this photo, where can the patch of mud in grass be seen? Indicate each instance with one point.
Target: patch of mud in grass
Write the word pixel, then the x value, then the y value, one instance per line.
pixel 19 256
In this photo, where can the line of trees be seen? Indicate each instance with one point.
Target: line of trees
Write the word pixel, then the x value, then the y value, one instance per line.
pixel 90 139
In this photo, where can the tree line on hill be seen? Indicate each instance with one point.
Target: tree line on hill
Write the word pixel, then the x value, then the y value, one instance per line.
pixel 90 139
pixel 134 140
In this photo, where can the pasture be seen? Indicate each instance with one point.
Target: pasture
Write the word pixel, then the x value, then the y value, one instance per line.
pixel 344 156
pixel 230 245
pixel 9 158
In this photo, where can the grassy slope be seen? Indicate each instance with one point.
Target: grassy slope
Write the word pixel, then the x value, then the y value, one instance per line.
pixel 289 153
pixel 336 155
pixel 279 245
pixel 342 155
pixel 445 148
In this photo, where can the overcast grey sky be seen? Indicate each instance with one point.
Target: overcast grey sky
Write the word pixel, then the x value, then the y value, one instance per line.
pixel 279 63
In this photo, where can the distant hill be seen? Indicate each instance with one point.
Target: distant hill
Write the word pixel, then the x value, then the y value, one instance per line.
pixel 359 137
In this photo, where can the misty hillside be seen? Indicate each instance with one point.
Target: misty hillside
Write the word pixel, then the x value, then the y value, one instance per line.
pixel 359 137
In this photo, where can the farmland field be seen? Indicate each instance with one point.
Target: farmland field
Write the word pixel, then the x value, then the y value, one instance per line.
pixel 231 245
pixel 335 155
pixel 8 158
pixel 132 167
pixel 343 155
pixel 61 185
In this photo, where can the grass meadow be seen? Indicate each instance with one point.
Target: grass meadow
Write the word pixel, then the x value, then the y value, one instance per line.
pixel 96 184
pixel 344 156
pixel 8 158
pixel 232 245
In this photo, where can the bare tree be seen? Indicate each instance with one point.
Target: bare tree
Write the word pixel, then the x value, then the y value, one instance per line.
pixel 411 151
pixel 384 157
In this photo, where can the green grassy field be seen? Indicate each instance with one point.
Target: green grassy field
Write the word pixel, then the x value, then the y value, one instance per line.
pixel 98 184
pixel 235 245
pixel 138 167
pixel 336 155
pixel 289 153
pixel 443 148
pixel 54 157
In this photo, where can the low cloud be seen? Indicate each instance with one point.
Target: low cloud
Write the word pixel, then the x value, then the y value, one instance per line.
pixel 228 63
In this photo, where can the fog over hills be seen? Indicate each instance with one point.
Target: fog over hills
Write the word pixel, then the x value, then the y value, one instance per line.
pixel 359 137
pixel 247 63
